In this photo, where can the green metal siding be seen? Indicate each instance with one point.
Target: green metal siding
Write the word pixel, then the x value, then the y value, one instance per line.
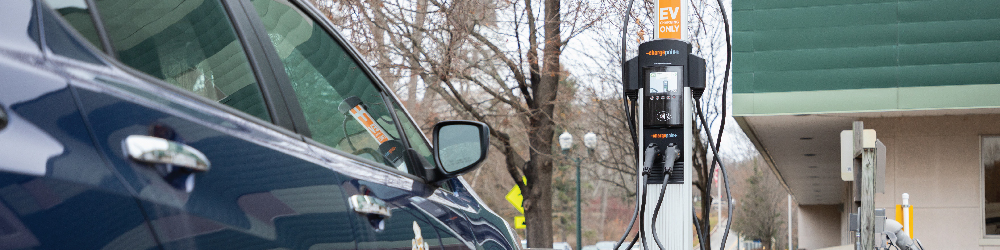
pixel 820 45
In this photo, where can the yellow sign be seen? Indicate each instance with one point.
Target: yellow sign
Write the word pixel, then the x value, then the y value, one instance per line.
pixel 669 19
pixel 519 222
pixel 515 198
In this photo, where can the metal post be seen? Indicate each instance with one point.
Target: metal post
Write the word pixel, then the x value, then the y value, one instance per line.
pixel 579 226
pixel 790 222
pixel 906 215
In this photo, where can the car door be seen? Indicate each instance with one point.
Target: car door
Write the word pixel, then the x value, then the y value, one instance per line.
pixel 56 190
pixel 357 127
pixel 261 191
pixel 256 185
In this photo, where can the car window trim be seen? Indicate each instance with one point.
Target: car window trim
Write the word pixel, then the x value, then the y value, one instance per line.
pixel 102 33
pixel 368 162
pixel 269 82
pixel 389 105
pixel 413 121
pixel 43 42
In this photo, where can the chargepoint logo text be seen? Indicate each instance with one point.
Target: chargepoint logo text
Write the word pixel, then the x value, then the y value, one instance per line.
pixel 662 52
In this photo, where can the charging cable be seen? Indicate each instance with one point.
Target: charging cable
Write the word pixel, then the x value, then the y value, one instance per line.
pixel 647 167
pixel 669 157
pixel 635 145
pixel 722 167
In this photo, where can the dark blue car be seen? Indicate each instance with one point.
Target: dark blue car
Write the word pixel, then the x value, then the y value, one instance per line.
pixel 218 124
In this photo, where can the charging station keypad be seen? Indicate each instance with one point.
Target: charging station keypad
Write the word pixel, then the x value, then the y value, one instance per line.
pixel 658 109
pixel 664 96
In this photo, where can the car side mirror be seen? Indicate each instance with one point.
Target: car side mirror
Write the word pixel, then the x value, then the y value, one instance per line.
pixel 459 147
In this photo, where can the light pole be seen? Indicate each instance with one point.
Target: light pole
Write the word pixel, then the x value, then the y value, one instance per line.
pixel 566 142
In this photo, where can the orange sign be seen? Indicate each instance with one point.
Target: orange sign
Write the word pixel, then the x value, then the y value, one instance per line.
pixel 366 120
pixel 669 15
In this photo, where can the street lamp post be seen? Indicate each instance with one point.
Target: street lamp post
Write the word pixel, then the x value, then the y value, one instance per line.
pixel 566 142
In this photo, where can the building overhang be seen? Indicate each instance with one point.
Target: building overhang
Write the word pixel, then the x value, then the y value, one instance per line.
pixel 798 134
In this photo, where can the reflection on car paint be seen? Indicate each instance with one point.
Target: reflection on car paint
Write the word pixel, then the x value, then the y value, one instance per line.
pixel 363 171
pixel 53 170
pixel 18 17
pixel 418 239
pixel 35 148
pixel 449 199
pixel 508 233
pixel 447 218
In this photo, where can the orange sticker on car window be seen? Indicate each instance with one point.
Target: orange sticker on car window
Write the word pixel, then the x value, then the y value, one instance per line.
pixel 366 120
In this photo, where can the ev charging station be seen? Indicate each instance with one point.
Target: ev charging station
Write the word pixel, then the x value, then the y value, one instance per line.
pixel 664 78
pixel 661 85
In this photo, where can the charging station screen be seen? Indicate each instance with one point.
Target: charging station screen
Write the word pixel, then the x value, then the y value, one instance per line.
pixel 663 82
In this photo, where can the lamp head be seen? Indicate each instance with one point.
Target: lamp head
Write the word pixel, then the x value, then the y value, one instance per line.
pixel 565 140
pixel 590 140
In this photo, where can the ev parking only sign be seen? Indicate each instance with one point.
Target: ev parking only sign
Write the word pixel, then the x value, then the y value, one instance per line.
pixel 671 19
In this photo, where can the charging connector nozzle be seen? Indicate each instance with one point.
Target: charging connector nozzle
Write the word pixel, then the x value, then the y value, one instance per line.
pixel 669 158
pixel 650 154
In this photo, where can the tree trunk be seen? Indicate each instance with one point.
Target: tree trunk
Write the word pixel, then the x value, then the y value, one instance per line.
pixel 378 45
pixel 415 68
pixel 541 130
pixel 538 199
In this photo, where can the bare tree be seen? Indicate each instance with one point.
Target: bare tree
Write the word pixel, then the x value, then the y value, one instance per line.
pixel 759 214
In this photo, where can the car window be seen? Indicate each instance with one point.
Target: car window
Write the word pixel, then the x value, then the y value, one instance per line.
pixel 77 14
pixel 60 41
pixel 342 106
pixel 413 134
pixel 190 44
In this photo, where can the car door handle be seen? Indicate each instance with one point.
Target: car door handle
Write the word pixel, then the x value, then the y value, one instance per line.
pixel 368 205
pixel 153 150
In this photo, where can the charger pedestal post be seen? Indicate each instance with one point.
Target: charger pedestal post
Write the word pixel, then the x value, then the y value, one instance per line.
pixel 665 77
pixel 674 222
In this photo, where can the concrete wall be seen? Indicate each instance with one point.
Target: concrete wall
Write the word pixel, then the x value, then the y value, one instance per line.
pixel 936 160
pixel 819 226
